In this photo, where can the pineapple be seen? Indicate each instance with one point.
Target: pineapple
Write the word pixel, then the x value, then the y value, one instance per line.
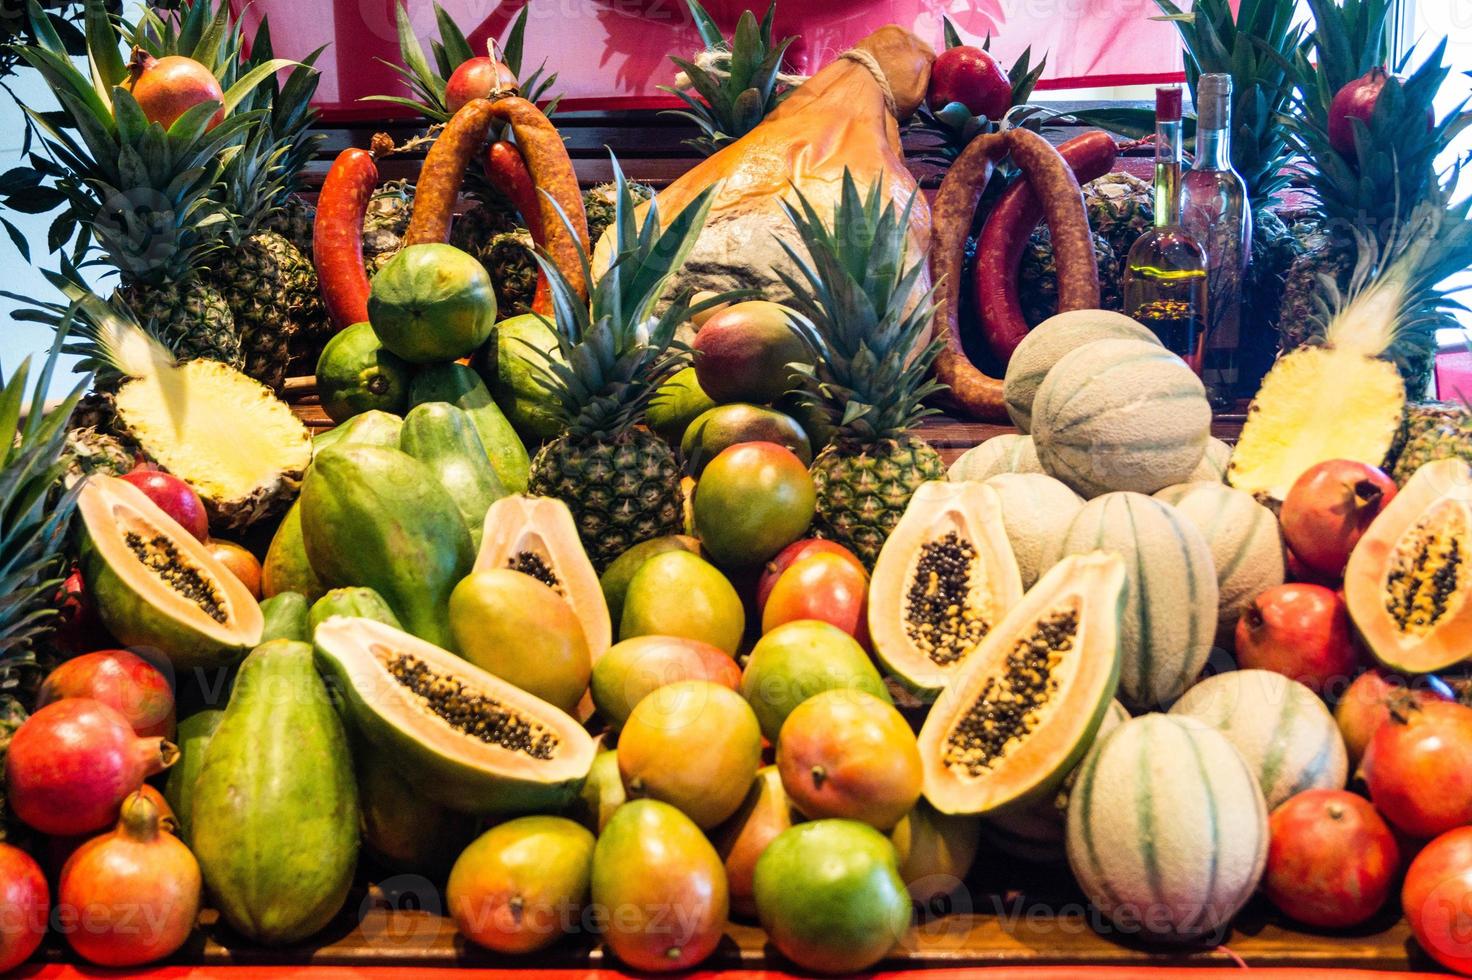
pixel 513 255
pixel 1434 430
pixel 735 84
pixel 226 435
pixel 621 481
pixel 145 198
pixel 1343 396
pixel 1376 193
pixel 1121 207
pixel 599 203
pixel 1037 277
pixel 866 327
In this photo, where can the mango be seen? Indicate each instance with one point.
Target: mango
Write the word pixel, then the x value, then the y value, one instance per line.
pixel 680 594
pixel 743 353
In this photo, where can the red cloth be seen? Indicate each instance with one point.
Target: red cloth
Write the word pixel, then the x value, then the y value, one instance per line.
pixel 1454 376
pixel 416 973
pixel 613 53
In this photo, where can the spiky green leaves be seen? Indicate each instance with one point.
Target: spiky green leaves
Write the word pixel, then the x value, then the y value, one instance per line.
pixel 616 350
pixel 734 84
pixel 861 315
pixel 33 519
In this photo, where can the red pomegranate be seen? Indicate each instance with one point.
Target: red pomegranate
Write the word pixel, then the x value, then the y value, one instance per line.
pixel 174 497
pixel 1331 859
pixel 242 564
pixel 59 850
pixel 1329 507
pixel 1419 767
pixel 794 553
pixel 968 75
pixel 1437 899
pixel 24 906
pixel 1356 100
pixel 132 894
pixel 168 87
pixel 79 627
pixel 1365 706
pixel 477 78
pixel 1300 631
pixel 119 679
pixel 74 761
pixel 1297 571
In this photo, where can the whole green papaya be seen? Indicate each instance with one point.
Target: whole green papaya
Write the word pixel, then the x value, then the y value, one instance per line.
pixel 193 738
pixel 442 437
pixel 358 601
pixel 373 428
pixel 274 813
pixel 463 388
pixel 377 517
pixel 286 618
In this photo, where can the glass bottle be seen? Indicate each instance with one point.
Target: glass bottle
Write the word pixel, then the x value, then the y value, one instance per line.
pixel 1165 273
pixel 1215 211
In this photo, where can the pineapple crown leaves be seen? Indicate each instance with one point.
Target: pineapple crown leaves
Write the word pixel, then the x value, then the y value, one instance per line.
pixel 953 126
pixel 615 351
pixel 1393 303
pixel 33 521
pixel 851 294
pixel 451 50
pixel 1393 166
pixel 734 84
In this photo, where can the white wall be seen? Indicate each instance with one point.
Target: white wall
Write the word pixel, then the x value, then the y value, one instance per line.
pixel 16 275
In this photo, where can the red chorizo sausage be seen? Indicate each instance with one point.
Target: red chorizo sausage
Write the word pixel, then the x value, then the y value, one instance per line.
pixel 337 236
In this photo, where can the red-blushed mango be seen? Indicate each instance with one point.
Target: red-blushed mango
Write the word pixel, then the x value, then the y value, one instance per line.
pixel 764 814
pixel 826 587
pixel 743 353
pixel 717 429
pixel 632 669
pixel 753 500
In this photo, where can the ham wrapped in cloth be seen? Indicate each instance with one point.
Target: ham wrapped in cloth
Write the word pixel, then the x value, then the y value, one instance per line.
pixel 845 116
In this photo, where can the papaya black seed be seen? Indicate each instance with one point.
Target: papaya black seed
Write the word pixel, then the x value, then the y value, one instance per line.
pixel 1011 703
pixel 940 618
pixel 467 710
pixel 1426 571
pixel 161 556
pixel 531 563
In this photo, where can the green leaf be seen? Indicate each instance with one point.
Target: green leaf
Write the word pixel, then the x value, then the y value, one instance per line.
pixel 710 32
pixel 44 29
pixel 102 46
pixel 456 48
pixel 745 47
pixel 953 36
pixel 21 244
pixel 252 78
pixel 512 49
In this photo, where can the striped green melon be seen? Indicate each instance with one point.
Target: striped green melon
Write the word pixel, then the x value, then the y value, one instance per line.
pixel 1036 510
pixel 1213 465
pixel 1121 415
pixel 1036 833
pixel 999 454
pixel 1171 604
pixel 1289 739
pixel 1045 346
pixel 1167 830
pixel 1246 545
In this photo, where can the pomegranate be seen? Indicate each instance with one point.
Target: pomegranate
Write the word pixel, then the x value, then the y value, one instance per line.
pixel 1356 100
pixel 174 497
pixel 242 564
pixel 1297 571
pixel 1365 705
pixel 1329 507
pixel 1301 631
pixel 794 553
pixel 1419 767
pixel 168 87
pixel 1437 899
pixel 79 628
pixel 130 896
pixel 1331 859
pixel 477 78
pixel 119 679
pixel 24 906
pixel 74 761
pixel 968 75
pixel 60 849
pixel 823 586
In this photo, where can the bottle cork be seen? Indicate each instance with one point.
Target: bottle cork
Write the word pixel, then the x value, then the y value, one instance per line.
pixel 1213 100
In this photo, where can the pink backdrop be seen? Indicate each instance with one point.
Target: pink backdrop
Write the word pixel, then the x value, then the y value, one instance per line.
pixel 612 53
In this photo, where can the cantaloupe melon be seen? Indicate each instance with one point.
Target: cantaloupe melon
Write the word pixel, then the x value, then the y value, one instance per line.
pixel 999 454
pixel 1045 346
pixel 1167 830
pixel 1120 415
pixel 1036 510
pixel 1284 732
pixel 1171 604
pixel 1246 545
pixel 1213 465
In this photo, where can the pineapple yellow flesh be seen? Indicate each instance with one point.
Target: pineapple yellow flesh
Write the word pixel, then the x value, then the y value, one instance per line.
pixel 225 435
pixel 1317 404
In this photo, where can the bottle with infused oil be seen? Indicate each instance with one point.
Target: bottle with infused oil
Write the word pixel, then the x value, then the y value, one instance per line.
pixel 1165 276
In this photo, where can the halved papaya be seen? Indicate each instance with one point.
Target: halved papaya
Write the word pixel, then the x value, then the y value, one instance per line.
pixel 156 584
pixel 537 536
pixel 461 736
pixel 945 577
pixel 1408 585
pixel 1023 708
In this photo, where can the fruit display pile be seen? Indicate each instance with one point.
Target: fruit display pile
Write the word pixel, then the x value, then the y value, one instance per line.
pixel 626 596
